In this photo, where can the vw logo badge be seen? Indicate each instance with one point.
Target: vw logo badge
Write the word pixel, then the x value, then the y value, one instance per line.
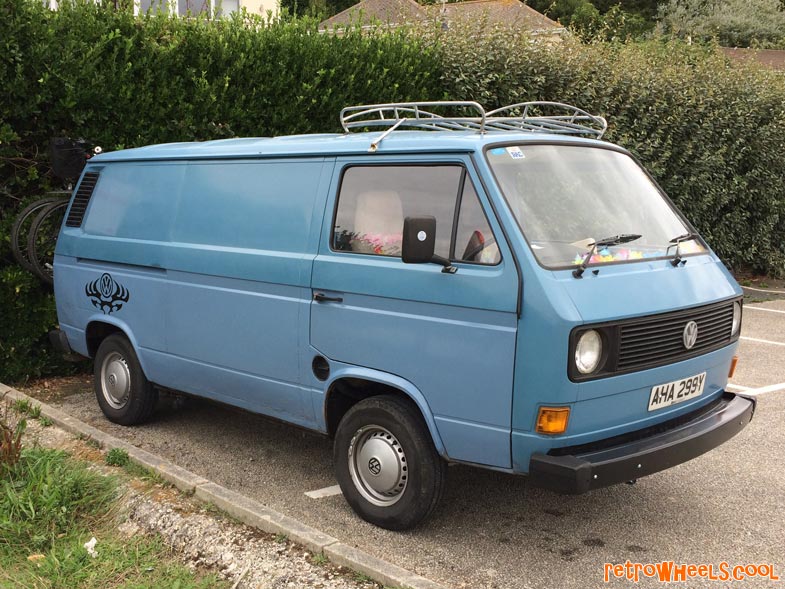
pixel 374 466
pixel 690 335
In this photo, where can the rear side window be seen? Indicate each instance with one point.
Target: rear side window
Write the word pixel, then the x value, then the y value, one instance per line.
pixel 254 205
pixel 134 201
pixel 374 201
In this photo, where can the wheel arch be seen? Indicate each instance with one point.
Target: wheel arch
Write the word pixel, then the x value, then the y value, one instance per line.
pixel 100 327
pixel 350 385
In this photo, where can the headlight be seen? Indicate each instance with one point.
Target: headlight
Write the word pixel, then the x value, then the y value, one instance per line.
pixel 736 319
pixel 588 352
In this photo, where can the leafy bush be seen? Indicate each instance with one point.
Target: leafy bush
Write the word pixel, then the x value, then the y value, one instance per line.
pixel 27 313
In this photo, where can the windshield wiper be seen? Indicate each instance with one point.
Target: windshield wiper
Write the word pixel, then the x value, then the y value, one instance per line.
pixel 605 242
pixel 677 259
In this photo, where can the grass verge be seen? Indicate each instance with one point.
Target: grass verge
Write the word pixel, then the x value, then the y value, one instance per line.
pixel 50 506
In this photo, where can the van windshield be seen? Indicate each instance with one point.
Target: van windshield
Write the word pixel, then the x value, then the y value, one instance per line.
pixel 566 197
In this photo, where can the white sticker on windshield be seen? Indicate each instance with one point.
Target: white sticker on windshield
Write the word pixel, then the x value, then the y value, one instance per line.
pixel 515 152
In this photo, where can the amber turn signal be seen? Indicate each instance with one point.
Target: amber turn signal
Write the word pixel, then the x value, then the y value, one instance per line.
pixel 552 420
pixel 733 366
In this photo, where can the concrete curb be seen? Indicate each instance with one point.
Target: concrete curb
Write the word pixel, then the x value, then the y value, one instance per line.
pixel 239 506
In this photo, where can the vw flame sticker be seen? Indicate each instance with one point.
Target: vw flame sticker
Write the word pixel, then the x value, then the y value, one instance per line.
pixel 107 294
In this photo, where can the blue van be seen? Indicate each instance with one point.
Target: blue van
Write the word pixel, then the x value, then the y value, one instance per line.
pixel 438 284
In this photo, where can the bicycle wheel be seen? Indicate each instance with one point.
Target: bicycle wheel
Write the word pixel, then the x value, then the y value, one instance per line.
pixel 42 239
pixel 20 230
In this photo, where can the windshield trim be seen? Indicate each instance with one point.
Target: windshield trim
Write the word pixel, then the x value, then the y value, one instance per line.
pixel 592 145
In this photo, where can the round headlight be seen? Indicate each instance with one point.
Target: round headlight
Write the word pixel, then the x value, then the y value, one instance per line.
pixel 736 319
pixel 588 352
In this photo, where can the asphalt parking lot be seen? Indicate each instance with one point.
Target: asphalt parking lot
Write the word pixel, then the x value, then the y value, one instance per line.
pixel 492 530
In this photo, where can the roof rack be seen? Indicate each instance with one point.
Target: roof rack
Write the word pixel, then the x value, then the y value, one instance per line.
pixel 471 116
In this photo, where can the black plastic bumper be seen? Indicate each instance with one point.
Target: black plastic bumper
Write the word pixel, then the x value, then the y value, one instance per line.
pixel 606 465
pixel 59 342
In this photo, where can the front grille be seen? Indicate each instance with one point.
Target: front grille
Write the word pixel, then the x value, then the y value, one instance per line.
pixel 82 198
pixel 659 340
pixel 656 340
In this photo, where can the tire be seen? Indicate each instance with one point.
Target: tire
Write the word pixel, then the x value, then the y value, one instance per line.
pixel 20 230
pixel 386 463
pixel 42 239
pixel 123 392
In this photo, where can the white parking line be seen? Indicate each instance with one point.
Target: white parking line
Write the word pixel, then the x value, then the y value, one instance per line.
pixel 748 307
pixel 762 341
pixel 736 388
pixel 326 492
pixel 772 388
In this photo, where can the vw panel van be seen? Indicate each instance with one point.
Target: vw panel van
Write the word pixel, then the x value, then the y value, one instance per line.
pixel 438 284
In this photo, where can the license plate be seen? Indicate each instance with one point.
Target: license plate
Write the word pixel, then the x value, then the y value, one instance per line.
pixel 678 391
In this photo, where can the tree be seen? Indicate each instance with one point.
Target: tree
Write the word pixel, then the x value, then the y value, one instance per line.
pixel 601 19
pixel 734 23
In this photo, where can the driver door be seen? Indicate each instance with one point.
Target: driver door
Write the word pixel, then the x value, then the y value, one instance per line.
pixel 450 335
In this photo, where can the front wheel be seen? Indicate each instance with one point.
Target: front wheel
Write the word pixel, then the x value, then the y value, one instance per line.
pixel 386 463
pixel 121 388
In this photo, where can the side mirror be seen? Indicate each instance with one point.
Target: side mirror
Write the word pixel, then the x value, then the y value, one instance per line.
pixel 419 243
pixel 419 240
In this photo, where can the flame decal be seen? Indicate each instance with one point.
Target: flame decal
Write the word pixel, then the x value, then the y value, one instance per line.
pixel 107 294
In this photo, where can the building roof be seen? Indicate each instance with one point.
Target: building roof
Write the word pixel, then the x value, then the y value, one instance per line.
pixel 333 144
pixel 773 58
pixel 367 12
pixel 509 12
pixel 397 12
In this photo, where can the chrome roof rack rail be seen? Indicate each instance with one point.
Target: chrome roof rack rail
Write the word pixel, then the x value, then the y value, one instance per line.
pixel 413 115
pixel 471 116
pixel 525 116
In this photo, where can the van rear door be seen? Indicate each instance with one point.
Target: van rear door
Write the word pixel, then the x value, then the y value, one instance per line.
pixel 451 335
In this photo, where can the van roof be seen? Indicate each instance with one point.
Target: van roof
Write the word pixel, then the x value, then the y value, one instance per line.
pixel 335 144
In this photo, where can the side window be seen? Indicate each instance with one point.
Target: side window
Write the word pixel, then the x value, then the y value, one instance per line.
pixel 474 241
pixel 374 200
pixel 135 200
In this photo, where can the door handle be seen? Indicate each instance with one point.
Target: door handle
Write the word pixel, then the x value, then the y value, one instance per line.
pixel 320 297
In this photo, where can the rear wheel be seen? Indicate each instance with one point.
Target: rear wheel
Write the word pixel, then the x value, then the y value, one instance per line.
pixel 121 388
pixel 386 463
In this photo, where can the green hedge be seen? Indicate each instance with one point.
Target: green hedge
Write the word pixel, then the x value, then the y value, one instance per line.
pixel 712 135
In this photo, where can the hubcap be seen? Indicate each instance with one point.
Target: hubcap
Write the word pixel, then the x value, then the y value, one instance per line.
pixel 377 465
pixel 115 380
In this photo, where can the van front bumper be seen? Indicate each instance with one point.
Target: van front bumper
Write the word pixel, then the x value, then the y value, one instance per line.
pixel 628 457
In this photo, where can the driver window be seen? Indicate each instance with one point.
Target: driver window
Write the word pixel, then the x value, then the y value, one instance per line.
pixel 474 240
pixel 374 201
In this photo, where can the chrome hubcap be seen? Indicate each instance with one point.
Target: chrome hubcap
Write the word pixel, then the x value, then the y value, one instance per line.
pixel 115 380
pixel 377 465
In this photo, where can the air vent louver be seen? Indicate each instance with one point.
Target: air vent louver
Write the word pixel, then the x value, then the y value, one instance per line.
pixel 82 198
